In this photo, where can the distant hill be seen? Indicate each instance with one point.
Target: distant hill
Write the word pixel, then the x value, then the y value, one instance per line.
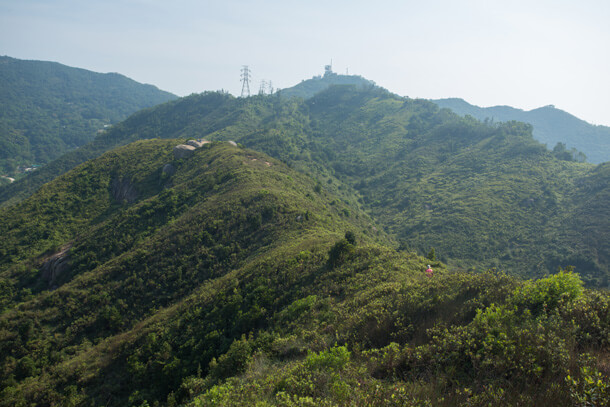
pixel 47 108
pixel 308 88
pixel 551 126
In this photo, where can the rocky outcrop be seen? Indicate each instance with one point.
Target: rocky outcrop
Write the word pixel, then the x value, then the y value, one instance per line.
pixel 55 266
pixel 186 150
pixel 197 143
pixel 169 169
pixel 183 151
pixel 123 189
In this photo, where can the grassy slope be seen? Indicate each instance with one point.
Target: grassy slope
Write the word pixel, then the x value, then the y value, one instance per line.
pixel 371 330
pixel 481 195
pixel 229 283
pixel 223 208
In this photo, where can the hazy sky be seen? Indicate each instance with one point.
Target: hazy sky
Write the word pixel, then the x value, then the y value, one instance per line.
pixel 524 54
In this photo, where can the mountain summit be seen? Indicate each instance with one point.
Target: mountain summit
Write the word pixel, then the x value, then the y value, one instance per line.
pixel 308 88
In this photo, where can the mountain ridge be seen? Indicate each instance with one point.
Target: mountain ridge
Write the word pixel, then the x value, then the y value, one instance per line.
pixel 551 126
pixel 221 213
pixel 430 177
pixel 233 277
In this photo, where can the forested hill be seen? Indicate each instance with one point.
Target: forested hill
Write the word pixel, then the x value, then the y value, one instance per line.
pixel 47 109
pixel 226 278
pixel 102 249
pixel 551 126
pixel 308 88
pixel 482 195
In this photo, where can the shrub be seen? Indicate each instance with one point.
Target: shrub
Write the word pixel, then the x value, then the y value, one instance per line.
pixel 234 361
pixel 590 389
pixel 333 359
pixel 546 293
pixel 25 368
pixel 338 253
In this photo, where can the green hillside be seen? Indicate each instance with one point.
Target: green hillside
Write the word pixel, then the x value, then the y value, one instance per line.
pixel 317 84
pixel 145 124
pixel 482 195
pixel 47 109
pixel 227 279
pixel 551 126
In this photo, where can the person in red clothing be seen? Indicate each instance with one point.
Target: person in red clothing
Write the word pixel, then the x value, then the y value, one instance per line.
pixel 429 272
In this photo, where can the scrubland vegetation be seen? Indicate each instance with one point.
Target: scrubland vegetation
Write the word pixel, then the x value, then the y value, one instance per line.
pixel 290 270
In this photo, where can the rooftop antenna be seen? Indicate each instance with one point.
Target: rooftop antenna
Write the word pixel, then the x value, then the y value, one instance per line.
pixel 245 81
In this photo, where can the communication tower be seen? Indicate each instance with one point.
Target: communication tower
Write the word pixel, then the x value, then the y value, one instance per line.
pixel 245 81
pixel 328 69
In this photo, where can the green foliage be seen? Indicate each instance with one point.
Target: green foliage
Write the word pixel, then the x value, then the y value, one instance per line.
pixel 561 152
pixel 233 281
pixel 233 362
pixel 590 388
pixel 350 237
pixel 309 88
pixel 47 109
pixel 482 194
pixel 26 367
pixel 551 127
pixel 546 293
pixel 339 252
pixel 127 260
pixel 332 359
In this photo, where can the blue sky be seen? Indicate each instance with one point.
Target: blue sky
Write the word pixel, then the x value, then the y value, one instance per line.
pixel 524 54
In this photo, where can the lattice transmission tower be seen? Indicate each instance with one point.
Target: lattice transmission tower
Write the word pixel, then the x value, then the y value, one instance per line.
pixel 245 81
pixel 263 88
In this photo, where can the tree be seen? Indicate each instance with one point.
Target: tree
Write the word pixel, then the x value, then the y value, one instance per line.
pixel 350 237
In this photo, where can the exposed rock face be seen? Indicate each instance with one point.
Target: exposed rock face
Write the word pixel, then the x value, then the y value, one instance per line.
pixel 186 150
pixel 183 151
pixel 55 266
pixel 169 169
pixel 123 190
pixel 197 143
